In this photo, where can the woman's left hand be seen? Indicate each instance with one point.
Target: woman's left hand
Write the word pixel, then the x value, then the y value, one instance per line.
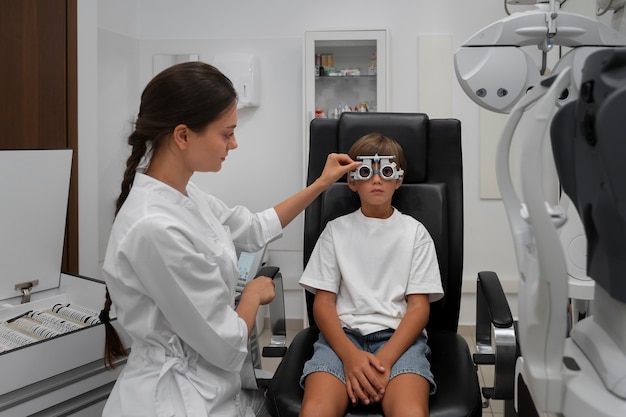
pixel 337 164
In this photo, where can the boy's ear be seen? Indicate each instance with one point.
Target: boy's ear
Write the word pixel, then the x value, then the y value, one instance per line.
pixel 351 184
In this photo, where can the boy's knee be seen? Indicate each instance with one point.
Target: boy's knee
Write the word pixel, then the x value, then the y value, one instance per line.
pixel 406 407
pixel 406 410
pixel 317 409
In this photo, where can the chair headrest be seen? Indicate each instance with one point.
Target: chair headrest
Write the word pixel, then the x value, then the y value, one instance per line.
pixel 409 130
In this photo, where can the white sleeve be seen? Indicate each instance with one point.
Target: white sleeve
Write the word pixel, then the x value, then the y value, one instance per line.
pixel 425 275
pixel 249 231
pixel 322 270
pixel 183 283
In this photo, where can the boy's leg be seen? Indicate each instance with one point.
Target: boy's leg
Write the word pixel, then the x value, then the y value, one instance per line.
pixel 406 395
pixel 324 396
pixel 325 391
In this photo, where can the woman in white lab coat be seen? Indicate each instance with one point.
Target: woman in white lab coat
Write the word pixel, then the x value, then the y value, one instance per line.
pixel 171 266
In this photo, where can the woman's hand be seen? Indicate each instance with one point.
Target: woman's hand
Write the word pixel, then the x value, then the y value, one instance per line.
pixel 337 164
pixel 262 287
pixel 257 292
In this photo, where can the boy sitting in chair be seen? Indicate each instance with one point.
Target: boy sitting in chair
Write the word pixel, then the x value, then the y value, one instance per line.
pixel 374 273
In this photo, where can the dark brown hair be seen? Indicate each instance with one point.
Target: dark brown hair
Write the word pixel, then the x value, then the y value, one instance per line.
pixel 192 93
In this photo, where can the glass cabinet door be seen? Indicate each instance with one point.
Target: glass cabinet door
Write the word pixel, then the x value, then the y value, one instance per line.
pixel 343 71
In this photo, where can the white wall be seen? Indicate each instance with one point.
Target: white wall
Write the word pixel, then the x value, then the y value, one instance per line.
pixel 270 136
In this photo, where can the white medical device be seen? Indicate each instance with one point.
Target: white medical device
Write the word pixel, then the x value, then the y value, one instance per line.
pixel 543 293
pixel 585 374
pixel 496 72
pixel 588 143
pixel 386 169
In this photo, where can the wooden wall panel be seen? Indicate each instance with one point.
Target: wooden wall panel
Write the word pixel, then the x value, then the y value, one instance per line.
pixel 38 90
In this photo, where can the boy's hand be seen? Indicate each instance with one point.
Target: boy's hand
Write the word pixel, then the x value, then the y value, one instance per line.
pixel 363 373
pixel 383 379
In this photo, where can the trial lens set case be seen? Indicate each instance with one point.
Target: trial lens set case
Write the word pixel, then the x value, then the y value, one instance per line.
pixel 56 366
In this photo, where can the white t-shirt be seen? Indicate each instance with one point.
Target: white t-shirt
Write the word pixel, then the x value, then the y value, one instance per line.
pixel 372 265
pixel 171 269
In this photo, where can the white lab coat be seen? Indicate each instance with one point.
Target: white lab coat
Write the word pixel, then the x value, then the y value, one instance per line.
pixel 171 270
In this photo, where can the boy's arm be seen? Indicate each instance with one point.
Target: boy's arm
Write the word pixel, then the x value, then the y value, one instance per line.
pixel 359 366
pixel 410 327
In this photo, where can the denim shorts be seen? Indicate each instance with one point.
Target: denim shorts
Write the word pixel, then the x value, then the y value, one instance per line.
pixel 414 360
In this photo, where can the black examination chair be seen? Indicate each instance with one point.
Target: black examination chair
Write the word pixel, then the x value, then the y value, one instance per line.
pixel 432 192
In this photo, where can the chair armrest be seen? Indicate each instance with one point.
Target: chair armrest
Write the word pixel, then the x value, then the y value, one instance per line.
pixel 278 339
pixel 493 313
pixel 268 271
pixel 494 299
pixel 252 373
pixel 284 394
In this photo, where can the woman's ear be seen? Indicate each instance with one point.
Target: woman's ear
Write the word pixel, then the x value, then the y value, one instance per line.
pixel 180 136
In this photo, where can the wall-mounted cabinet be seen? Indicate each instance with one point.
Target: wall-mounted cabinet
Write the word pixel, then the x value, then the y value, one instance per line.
pixel 343 71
